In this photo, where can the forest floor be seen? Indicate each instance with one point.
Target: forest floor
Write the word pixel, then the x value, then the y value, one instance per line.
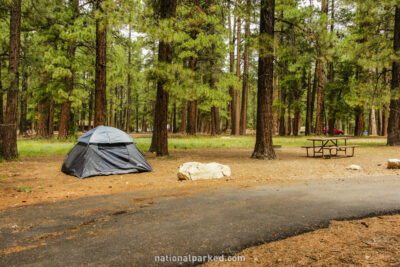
pixel 368 242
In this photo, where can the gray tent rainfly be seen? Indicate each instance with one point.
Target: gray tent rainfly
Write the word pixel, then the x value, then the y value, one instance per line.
pixel 104 151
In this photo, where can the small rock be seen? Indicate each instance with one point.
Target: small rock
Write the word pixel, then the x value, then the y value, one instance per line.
pixel 393 164
pixel 354 168
pixel 226 137
pixel 200 171
pixel 110 186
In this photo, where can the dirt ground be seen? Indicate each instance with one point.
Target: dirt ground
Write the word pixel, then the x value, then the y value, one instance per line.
pixel 368 242
pixel 49 184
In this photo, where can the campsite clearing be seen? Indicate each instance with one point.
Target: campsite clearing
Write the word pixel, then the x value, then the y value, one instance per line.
pixel 48 184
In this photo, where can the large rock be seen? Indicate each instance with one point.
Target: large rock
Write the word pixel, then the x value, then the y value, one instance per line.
pixel 393 164
pixel 200 171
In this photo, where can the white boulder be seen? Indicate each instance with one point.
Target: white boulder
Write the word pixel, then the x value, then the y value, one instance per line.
pixel 354 168
pixel 393 164
pixel 201 171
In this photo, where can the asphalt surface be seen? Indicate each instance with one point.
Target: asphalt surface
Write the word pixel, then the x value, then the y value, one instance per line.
pixel 127 230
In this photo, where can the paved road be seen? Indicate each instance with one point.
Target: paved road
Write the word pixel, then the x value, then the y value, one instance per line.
pixel 116 230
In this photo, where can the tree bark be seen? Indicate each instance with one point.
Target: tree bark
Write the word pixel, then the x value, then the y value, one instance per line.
pixel 42 118
pixel 9 148
pixel 24 105
pixel 174 125
pixel 264 146
pixel 321 74
pixel 63 125
pixel 129 103
pixel 359 127
pixel 236 122
pixel 372 122
pixel 282 125
pixel 101 75
pixel 51 119
pixel 231 113
pixel 296 121
pixel 63 128
pixel 1 103
pixel 394 117
pixel 183 117
pixel 245 89
pixel 192 107
pixel 165 50
pixel 308 129
pixel 275 111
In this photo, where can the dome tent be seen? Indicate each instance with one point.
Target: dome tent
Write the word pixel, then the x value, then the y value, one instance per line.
pixel 104 151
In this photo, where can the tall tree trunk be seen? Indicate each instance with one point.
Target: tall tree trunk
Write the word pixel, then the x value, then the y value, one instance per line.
pixel 101 62
pixel 245 89
pixel 372 123
pixel 321 74
pixel 331 76
pixel 111 117
pixel 121 99
pixel 308 130
pixel 42 123
pixel 128 108
pixel 394 117
pixel 63 125
pixel 313 97
pixel 8 132
pixel 144 121
pixel 264 146
pixel 359 127
pixel 192 118
pixel 63 128
pixel 236 122
pixel 51 119
pixel 183 116
pixel 296 121
pixel 1 103
pixel 231 105
pixel 282 125
pixel 174 124
pixel 24 104
pixel 192 109
pixel 165 50
pixel 90 107
pixel 275 111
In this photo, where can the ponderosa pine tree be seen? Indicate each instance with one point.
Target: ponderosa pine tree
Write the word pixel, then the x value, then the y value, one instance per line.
pixel 63 126
pixel 264 146
pixel 8 132
pixel 321 72
pixel 101 67
pixel 394 118
pixel 236 108
pixel 167 11
pixel 245 87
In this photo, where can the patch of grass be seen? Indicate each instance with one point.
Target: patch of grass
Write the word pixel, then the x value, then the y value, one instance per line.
pixel 24 188
pixel 3 177
pixel 44 147
pixel 54 147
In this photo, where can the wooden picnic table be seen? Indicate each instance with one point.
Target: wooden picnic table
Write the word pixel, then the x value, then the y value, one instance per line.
pixel 328 147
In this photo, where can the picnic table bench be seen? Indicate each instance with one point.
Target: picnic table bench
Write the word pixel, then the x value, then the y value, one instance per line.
pixel 328 147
